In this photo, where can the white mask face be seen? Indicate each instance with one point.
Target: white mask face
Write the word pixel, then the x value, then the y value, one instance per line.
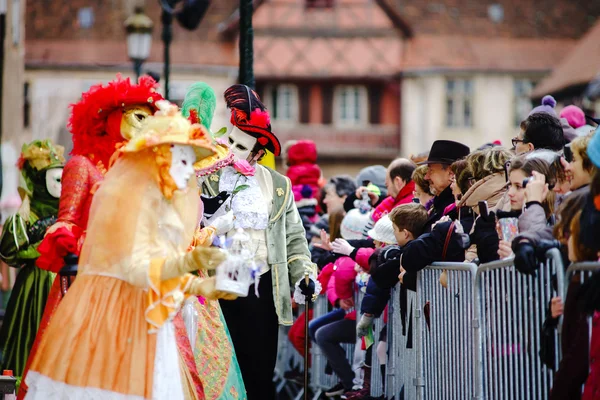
pixel 241 144
pixel 53 181
pixel 182 164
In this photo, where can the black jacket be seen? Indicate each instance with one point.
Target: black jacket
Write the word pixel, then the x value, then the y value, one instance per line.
pixel 428 248
pixel 437 209
pixel 375 299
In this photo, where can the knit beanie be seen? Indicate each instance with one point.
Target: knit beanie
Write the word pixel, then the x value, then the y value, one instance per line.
pixel 548 104
pixel 374 174
pixel 568 132
pixel 383 231
pixel 574 116
pixel 593 148
pixel 354 225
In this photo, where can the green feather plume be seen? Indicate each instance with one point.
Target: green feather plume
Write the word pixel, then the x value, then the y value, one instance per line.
pixel 200 99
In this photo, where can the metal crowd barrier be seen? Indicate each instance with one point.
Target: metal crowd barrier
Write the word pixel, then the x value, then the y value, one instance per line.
pixel 444 333
pixel 512 308
pixel 402 354
pixel 376 381
pixel 319 380
pixel 476 338
pixel 479 337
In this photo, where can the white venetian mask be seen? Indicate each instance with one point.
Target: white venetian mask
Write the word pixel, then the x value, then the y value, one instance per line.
pixel 241 144
pixel 53 181
pixel 182 164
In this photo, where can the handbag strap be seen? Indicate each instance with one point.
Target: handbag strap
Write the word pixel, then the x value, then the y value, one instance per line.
pixel 447 242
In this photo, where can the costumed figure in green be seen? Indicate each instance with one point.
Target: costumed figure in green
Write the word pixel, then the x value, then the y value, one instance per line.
pixel 41 164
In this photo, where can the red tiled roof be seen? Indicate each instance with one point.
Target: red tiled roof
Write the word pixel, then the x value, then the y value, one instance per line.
pixel 541 19
pixel 425 52
pixel 580 66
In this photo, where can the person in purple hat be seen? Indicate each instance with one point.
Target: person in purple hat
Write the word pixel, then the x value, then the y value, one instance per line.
pixel 541 130
pixel 440 176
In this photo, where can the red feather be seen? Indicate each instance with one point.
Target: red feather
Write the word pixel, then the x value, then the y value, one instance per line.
pixel 259 118
pixel 194 118
pixel 96 137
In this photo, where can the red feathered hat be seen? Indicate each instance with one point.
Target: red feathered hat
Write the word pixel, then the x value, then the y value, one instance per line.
pixel 95 121
pixel 250 115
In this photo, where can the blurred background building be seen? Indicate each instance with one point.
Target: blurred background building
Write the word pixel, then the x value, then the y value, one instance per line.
pixel 367 80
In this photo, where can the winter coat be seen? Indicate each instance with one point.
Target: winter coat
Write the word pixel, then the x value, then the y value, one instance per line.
pixel 534 219
pixel 405 196
pixel 440 203
pixel 592 385
pixel 386 267
pixel 375 300
pixel 361 255
pixel 491 189
pixel 573 368
pixel 341 283
pixel 428 248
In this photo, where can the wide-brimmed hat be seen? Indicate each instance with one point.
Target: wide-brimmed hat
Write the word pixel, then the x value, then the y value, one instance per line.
pixel 383 231
pixel 446 152
pixel 251 116
pixel 169 126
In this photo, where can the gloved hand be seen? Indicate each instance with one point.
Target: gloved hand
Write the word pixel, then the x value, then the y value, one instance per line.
pixel 341 246
pixel 307 290
pixel 212 204
pixel 362 327
pixel 199 258
pixel 223 224
pixel 205 287
pixel 525 259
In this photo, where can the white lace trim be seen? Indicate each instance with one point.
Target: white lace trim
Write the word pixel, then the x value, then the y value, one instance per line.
pixel 43 388
pixel 167 380
pixel 248 205
pixel 299 298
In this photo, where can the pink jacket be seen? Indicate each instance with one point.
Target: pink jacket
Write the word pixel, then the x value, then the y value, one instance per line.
pixel 341 283
pixel 362 257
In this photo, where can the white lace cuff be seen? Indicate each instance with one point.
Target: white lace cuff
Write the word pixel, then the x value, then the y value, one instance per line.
pixel 299 298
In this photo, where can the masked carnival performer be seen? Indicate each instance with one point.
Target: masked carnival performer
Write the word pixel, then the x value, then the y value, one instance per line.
pixel 202 336
pixel 41 164
pixel 263 205
pixel 112 335
pixel 105 118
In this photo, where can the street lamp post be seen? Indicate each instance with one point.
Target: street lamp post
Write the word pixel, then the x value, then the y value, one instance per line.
pixel 139 38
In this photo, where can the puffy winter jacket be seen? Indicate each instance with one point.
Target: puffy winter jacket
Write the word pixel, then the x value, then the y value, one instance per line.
pixel 341 283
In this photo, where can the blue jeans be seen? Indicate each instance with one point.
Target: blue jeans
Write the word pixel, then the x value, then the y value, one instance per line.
pixel 332 316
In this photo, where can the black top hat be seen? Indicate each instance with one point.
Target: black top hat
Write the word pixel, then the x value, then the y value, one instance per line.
pixel 446 152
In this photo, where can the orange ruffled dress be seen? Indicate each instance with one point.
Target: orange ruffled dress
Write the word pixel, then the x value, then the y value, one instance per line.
pixel 112 336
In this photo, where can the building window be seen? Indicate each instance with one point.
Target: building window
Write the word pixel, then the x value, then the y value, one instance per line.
pixel 459 103
pixel 282 102
pixel 351 105
pixel 319 3
pixel 85 17
pixel 522 102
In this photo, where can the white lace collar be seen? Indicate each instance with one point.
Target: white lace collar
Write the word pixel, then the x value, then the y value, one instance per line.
pixel 249 207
